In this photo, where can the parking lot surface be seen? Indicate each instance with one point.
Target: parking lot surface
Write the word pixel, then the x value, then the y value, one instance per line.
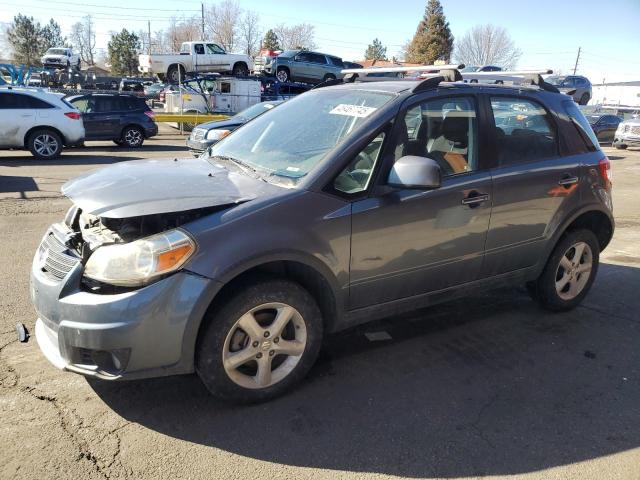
pixel 491 386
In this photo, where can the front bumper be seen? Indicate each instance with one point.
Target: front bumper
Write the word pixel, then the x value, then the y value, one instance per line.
pixel 140 333
pixel 199 146
pixel 626 139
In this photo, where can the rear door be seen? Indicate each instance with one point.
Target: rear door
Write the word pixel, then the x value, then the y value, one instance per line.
pixel 17 116
pixel 533 185
pixel 318 66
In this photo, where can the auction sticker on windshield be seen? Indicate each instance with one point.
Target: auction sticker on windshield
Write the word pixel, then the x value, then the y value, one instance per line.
pixel 353 110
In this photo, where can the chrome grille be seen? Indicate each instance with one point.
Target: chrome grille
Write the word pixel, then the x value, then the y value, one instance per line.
pixel 635 130
pixel 626 128
pixel 54 257
pixel 198 134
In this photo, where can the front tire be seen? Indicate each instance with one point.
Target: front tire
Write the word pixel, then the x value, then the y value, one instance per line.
pixel 44 144
pixel 584 99
pixel 259 343
pixel 282 74
pixel 132 137
pixel 620 147
pixel 569 272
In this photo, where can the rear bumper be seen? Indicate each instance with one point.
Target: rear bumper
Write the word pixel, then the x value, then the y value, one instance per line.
pixel 151 130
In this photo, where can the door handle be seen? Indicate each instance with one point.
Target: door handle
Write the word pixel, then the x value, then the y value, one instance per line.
pixel 475 198
pixel 567 181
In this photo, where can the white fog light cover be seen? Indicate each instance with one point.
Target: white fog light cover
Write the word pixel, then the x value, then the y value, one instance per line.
pixel 217 134
pixel 138 263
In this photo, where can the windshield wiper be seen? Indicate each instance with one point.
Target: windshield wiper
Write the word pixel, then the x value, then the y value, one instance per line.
pixel 244 166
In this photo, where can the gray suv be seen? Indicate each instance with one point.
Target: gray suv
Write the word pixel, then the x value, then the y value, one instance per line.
pixel 343 205
pixel 304 66
pixel 577 86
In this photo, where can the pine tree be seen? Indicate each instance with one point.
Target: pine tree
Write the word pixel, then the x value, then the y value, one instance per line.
pixel 270 41
pixel 123 52
pixel 433 40
pixel 52 36
pixel 376 51
pixel 24 36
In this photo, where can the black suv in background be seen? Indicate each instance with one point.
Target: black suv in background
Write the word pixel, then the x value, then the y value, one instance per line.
pixel 125 119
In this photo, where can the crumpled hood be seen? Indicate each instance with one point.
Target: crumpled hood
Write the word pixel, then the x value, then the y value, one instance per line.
pixel 146 187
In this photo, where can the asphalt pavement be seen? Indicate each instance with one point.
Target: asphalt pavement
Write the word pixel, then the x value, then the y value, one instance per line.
pixel 490 386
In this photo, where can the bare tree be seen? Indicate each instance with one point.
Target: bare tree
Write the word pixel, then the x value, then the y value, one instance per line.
pixel 83 38
pixel 296 36
pixel 222 21
pixel 184 30
pixel 487 45
pixel 250 33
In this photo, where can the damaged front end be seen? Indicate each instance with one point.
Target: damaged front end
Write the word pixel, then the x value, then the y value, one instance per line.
pixel 120 254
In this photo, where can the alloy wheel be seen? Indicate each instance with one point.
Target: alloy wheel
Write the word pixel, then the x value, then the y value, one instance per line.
pixel 264 345
pixel 45 145
pixel 133 137
pixel 282 75
pixel 574 271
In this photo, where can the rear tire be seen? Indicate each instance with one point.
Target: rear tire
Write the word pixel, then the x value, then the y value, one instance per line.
pixel 584 99
pixel 176 74
pixel 44 144
pixel 562 285
pixel 329 76
pixel 132 137
pixel 620 147
pixel 240 69
pixel 262 321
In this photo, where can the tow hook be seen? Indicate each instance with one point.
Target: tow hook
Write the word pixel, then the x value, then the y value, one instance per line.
pixel 23 333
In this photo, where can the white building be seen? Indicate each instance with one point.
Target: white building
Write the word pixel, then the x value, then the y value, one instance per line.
pixel 618 93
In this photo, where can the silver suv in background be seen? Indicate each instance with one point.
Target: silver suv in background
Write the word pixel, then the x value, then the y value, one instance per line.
pixel 304 66
pixel 577 86
pixel 627 134
pixel 39 121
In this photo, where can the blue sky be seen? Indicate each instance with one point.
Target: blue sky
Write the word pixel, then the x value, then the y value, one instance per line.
pixel 548 32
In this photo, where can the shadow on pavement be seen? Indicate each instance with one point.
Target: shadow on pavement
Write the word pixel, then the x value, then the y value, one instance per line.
pixel 10 183
pixel 485 386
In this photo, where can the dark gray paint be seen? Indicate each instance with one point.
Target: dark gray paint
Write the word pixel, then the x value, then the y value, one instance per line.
pixel 380 252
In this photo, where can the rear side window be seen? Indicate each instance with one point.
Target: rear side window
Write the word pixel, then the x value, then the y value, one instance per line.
pixel 523 131
pixel 317 58
pixel 336 62
pixel 19 101
pixel 581 123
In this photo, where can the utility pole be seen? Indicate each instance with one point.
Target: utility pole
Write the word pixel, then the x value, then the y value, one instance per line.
pixel 575 68
pixel 202 7
pixel 149 37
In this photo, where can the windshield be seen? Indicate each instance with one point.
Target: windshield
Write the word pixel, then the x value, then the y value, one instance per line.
pixel 557 81
pixel 290 140
pixel 56 51
pixel 254 111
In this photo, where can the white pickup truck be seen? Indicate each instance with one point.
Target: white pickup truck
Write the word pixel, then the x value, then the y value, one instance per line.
pixel 195 57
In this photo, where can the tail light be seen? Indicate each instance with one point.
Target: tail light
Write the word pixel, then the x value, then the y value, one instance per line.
pixel 604 166
pixel 73 115
pixel 150 114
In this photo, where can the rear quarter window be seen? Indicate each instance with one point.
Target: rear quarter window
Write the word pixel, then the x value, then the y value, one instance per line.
pixel 581 124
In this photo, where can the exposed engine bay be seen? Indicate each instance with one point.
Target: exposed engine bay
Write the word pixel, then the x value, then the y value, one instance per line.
pixel 91 231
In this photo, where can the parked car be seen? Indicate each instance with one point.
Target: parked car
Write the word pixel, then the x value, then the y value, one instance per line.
pixel 484 68
pixel 125 119
pixel 578 86
pixel 304 66
pixel 343 205
pixel 153 91
pixel 194 57
pixel 61 58
pixel 604 126
pixel 627 134
pixel 351 65
pixel 134 86
pixel 39 121
pixel 206 134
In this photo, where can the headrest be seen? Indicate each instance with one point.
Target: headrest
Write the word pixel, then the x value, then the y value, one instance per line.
pixel 456 129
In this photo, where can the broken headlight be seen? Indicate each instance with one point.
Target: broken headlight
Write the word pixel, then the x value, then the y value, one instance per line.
pixel 138 263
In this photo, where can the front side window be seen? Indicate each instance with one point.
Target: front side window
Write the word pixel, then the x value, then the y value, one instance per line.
pixel 303 57
pixel 443 129
pixel 523 131
pixel 357 176
pixel 290 140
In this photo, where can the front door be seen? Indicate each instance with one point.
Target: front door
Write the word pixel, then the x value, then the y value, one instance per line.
pixel 408 242
pixel 534 186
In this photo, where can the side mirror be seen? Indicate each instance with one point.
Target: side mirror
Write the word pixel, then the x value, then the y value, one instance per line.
pixel 415 172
